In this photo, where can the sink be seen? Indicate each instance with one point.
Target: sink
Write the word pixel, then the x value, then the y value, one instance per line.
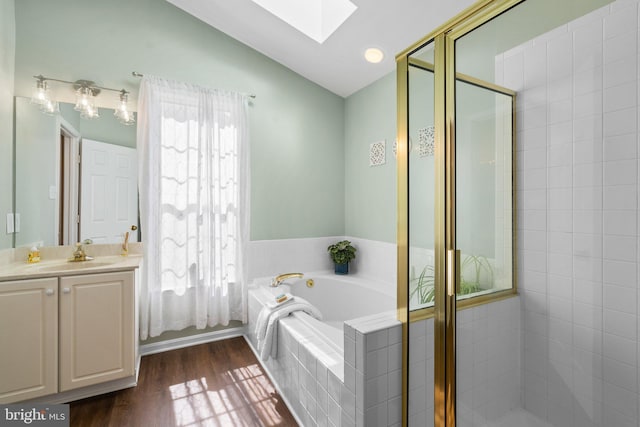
pixel 74 266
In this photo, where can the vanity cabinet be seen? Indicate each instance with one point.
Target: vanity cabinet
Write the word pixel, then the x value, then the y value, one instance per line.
pixel 62 334
pixel 28 339
pixel 96 329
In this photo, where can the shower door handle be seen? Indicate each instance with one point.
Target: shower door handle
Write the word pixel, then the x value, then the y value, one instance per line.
pixel 453 272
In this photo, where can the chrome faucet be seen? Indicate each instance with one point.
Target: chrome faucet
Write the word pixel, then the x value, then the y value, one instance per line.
pixel 282 277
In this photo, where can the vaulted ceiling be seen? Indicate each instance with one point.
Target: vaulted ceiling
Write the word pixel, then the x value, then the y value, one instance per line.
pixel 338 64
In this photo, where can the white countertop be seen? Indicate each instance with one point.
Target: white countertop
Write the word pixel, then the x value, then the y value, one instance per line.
pixel 62 267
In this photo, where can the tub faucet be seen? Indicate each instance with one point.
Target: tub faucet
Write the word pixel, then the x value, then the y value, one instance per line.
pixel 282 277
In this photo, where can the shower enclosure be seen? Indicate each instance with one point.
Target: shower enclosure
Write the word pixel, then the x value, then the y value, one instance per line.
pixel 517 141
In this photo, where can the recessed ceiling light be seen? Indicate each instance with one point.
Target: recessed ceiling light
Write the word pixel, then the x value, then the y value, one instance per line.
pixel 373 55
pixel 317 19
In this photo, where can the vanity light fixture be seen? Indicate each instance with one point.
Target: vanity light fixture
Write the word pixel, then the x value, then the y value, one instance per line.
pixel 86 99
pixel 86 93
pixel 42 97
pixel 373 55
pixel 122 111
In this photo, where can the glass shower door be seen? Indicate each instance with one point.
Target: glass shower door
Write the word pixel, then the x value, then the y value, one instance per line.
pixel 487 336
pixel 487 328
pixel 420 231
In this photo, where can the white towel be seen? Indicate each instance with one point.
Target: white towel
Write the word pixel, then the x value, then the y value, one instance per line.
pixel 267 324
pixel 269 305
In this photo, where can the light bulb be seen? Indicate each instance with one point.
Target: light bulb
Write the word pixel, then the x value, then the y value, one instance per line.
pixel 90 112
pixel 40 93
pixel 50 107
pixel 82 99
pixel 122 111
pixel 373 55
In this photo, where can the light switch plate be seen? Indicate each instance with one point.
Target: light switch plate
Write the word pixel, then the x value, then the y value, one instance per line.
pixel 53 192
pixel 10 223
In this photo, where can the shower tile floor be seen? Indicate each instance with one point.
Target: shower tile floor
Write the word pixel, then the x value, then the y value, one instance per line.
pixel 519 418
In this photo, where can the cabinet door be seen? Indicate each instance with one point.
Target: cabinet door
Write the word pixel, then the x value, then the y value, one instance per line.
pixel 96 329
pixel 28 339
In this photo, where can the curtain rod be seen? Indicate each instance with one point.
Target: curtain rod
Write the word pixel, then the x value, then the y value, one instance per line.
pixel 137 74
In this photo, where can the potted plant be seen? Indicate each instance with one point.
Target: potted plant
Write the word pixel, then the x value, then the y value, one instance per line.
pixel 341 253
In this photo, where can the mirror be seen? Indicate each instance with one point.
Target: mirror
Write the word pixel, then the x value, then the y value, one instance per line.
pixel 49 184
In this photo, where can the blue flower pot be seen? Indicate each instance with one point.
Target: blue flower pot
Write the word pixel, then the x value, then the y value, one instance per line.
pixel 342 268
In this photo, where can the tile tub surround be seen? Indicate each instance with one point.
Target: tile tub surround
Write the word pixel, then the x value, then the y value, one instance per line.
pixel 318 386
pixel 578 217
pixel 372 387
pixel 374 259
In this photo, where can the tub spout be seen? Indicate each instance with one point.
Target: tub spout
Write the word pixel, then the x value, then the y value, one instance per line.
pixel 282 277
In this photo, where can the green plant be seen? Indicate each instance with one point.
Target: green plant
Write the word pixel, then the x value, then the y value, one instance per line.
pixel 423 286
pixel 342 252
pixel 475 269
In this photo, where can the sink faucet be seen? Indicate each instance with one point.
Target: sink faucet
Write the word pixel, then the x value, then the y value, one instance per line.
pixel 282 277
pixel 78 254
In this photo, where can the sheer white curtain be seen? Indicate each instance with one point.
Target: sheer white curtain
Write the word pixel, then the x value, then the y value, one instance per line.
pixel 194 205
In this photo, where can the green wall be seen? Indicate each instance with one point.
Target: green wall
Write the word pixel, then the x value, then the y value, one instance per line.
pixel 105 128
pixel 370 191
pixel 35 173
pixel 309 148
pixel 7 55
pixel 296 127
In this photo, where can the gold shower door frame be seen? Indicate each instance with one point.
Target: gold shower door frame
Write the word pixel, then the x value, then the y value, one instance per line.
pixel 447 258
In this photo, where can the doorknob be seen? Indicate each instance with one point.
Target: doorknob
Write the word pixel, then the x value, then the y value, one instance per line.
pixel 66 290
pixel 50 292
pixel 134 227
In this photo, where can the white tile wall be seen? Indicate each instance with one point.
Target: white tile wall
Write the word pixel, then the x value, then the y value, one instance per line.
pixel 270 257
pixel 579 257
pixel 488 365
pixel 372 392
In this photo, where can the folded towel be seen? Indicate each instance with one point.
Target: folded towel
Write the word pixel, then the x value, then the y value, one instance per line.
pixel 267 324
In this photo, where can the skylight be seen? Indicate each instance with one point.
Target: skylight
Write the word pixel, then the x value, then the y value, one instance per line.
pixel 317 19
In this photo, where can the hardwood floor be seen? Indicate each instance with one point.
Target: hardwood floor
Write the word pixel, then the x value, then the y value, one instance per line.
pixel 215 384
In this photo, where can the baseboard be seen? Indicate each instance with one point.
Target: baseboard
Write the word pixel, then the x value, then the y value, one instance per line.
pixel 174 344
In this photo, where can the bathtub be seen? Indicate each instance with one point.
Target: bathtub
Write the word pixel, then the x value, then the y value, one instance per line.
pixel 339 298
pixel 309 368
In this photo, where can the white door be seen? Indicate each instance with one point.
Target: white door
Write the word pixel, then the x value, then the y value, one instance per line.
pixel 109 192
